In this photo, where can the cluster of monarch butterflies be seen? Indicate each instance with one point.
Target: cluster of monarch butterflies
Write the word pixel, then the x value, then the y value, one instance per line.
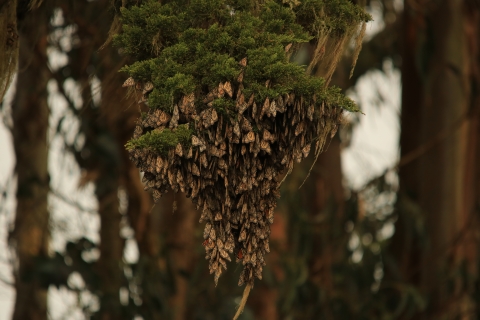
pixel 231 168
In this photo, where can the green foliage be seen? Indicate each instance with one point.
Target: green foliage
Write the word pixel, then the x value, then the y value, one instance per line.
pixel 185 47
pixel 223 105
pixel 162 140
pixel 334 97
pixel 336 16
pixel 191 48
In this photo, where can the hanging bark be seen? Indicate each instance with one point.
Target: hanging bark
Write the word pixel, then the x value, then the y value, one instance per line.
pixel 30 116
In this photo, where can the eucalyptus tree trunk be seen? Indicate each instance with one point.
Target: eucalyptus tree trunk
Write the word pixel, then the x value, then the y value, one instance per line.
pixel 101 155
pixel 109 183
pixel 327 211
pixel 179 228
pixel 30 110
pixel 440 156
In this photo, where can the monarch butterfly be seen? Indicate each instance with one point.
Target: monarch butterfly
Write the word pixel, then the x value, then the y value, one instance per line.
pixel 306 150
pixel 129 82
pixel 240 254
pixel 249 137
pixel 162 117
pixel 236 129
pixel 228 88
pixel 147 88
pixel 243 62
pixel 175 117
pixel 240 77
pixel 265 108
pixel 179 150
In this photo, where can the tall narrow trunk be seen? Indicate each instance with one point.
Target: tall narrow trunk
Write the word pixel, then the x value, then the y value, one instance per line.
pixel 447 108
pixel 107 185
pixel 111 246
pixel 327 208
pixel 327 211
pixel 111 168
pixel 30 115
pixel 101 157
pixel 179 228
pixel 440 96
pixel 405 244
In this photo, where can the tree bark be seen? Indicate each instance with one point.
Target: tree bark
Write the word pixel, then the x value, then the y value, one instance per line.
pixel 440 129
pixel 179 229
pixel 101 155
pixel 30 116
pixel 405 242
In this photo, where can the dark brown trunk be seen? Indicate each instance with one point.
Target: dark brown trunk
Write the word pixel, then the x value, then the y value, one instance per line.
pixel 405 243
pixel 30 116
pixel 179 229
pixel 327 218
pixel 265 296
pixel 440 94
pixel 326 204
pixel 100 158
pixel 111 168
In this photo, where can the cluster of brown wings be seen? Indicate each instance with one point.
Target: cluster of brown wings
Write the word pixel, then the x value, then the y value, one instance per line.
pixel 231 167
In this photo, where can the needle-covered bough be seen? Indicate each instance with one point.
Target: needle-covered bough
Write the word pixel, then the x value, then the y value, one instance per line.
pixel 229 110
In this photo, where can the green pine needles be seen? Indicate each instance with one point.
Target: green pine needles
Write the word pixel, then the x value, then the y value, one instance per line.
pixel 162 140
pixel 192 46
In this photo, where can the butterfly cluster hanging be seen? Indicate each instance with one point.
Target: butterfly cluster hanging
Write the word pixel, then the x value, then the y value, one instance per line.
pixel 231 166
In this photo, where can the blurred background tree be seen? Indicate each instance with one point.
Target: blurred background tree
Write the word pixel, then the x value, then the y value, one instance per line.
pixel 404 245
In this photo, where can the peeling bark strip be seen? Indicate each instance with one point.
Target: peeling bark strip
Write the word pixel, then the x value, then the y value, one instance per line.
pixel 30 116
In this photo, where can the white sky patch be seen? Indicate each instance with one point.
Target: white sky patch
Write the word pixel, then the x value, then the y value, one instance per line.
pixel 73 91
pixel 91 255
pixel 96 87
pixel 72 208
pixel 374 146
pixel 56 58
pixel 62 304
pixel 7 205
pixel 7 160
pixel 131 253
pixel 375 26
pixel 386 231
